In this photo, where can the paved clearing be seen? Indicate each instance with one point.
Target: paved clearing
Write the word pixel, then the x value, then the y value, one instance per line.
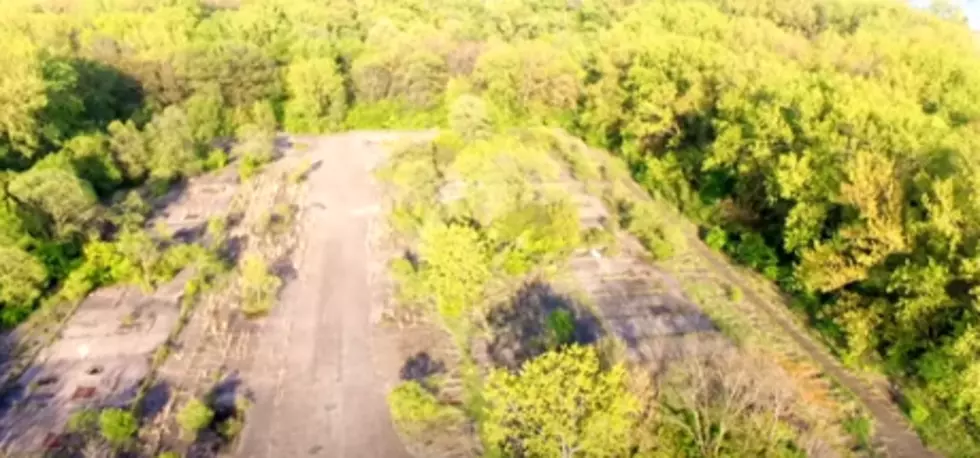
pixel 316 390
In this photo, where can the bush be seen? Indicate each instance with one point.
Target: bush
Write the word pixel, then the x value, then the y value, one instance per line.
pixel 216 159
pixel 118 426
pixel 83 422
pixel 642 220
pixel 194 417
pixel 716 238
pixel 259 286
pixel 735 294
pixel 249 167
pixel 561 328
pixel 415 410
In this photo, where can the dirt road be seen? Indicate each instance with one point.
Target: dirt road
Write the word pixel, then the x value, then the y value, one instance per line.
pixel 315 387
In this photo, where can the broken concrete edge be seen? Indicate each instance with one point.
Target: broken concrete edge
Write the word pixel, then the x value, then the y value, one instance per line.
pixel 91 349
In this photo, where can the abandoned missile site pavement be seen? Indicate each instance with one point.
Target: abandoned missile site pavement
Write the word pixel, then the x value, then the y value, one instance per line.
pixel 315 387
pixel 309 378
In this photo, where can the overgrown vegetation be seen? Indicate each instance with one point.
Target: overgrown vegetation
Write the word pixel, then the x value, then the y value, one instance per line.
pixel 193 417
pixel 829 144
pixel 259 286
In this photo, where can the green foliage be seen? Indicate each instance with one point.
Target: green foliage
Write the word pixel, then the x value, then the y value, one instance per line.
pixel 317 100
pixel 645 223
pixel 455 270
pixel 256 142
pixel 835 141
pixel 416 411
pixel 22 278
pixel 561 327
pixel 194 417
pixel 536 235
pixel 259 286
pixel 83 421
pixel 560 404
pixel 468 118
pixel 716 238
pixel 62 199
pixel 735 294
pixel 118 427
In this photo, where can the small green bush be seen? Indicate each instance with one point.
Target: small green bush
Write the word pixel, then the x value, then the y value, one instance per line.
pixel 414 409
pixel 83 421
pixel 716 238
pixel 194 417
pixel 735 294
pixel 561 328
pixel 216 159
pixel 249 167
pixel 259 286
pixel 118 426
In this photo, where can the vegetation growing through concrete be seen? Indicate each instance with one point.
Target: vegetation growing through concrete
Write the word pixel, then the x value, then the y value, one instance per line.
pixel 829 145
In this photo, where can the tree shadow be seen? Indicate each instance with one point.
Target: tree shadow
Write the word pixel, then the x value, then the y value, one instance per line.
pixel 227 399
pixel 521 328
pixel 420 367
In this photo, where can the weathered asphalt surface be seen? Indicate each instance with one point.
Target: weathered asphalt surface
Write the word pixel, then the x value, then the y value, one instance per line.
pixel 315 387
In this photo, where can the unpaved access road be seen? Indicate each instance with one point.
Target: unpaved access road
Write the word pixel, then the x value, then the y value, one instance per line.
pixel 316 392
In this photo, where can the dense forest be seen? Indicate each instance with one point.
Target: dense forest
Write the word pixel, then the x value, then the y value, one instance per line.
pixel 833 145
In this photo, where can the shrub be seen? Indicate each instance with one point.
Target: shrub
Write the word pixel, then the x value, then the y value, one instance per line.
pixel 216 159
pixel 83 421
pixel 259 286
pixel 249 167
pixel 194 417
pixel 716 238
pixel 415 410
pixel 561 328
pixel 735 294
pixel 642 220
pixel 118 426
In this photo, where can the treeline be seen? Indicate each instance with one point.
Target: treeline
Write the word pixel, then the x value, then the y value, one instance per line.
pixel 830 144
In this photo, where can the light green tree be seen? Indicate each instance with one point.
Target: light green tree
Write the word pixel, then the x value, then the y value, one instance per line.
pixel 316 96
pixel 22 277
pixel 561 404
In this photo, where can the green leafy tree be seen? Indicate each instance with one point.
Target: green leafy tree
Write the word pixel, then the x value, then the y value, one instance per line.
pixel 67 201
pixel 206 114
pixel 561 404
pixel 130 149
pixel 93 161
pixel 455 270
pixel 172 146
pixel 317 101
pixel 22 278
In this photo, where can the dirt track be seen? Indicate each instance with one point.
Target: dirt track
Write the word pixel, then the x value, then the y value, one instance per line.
pixel 316 390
